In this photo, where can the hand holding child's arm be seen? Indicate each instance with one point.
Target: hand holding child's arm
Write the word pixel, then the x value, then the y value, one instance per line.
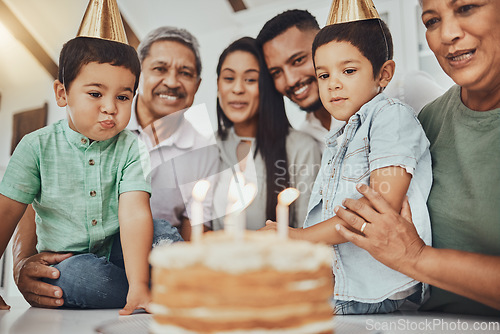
pixel 472 275
pixel 391 182
pixel 136 235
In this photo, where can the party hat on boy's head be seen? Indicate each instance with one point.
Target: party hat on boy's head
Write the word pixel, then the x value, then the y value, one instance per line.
pixel 351 10
pixel 102 20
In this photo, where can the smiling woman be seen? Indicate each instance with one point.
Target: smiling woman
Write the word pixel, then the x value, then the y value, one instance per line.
pixel 464 36
pixel 255 137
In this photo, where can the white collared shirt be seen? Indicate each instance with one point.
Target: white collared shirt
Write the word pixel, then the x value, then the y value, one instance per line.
pixel 177 163
pixel 313 127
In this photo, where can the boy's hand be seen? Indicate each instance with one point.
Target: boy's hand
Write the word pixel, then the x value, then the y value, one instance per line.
pixel 293 233
pixel 3 304
pixel 270 226
pixel 138 297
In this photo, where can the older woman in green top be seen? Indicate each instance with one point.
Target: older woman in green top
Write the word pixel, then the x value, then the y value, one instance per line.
pixel 463 127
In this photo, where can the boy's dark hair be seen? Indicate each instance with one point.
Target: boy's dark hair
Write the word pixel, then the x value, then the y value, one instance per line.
pixel 81 51
pixel 371 37
pixel 272 128
pixel 301 19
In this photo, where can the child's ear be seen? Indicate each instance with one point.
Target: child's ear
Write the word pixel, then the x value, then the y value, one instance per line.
pixel 386 73
pixel 60 93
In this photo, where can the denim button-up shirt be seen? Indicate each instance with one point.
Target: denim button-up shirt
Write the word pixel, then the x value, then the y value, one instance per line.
pixel 384 132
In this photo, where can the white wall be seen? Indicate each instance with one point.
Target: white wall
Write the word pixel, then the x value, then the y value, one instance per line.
pixel 20 98
pixel 403 21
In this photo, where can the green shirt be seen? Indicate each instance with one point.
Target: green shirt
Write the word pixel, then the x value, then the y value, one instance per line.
pixel 464 203
pixel 74 185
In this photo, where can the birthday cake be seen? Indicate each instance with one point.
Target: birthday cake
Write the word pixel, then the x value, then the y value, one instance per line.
pixel 258 284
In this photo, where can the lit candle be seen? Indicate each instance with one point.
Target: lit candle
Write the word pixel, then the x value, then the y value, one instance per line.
pixel 233 194
pixel 240 195
pixel 248 194
pixel 199 192
pixel 285 198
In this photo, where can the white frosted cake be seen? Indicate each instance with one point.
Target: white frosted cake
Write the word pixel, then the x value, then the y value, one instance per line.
pixel 258 284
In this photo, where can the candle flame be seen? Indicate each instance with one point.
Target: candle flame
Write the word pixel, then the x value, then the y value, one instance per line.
pixel 287 196
pixel 248 192
pixel 200 190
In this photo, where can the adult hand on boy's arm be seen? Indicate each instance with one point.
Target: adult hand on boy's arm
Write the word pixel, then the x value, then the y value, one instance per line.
pixel 389 237
pixel 472 275
pixel 136 235
pixel 30 267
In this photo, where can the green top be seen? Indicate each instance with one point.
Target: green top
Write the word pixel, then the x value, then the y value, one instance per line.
pixel 464 203
pixel 74 185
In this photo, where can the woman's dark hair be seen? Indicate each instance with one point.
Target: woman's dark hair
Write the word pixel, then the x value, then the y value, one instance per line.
pixel 371 37
pixel 273 124
pixel 81 51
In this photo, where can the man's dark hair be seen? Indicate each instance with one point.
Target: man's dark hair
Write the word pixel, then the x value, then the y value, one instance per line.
pixel 371 37
pixel 273 125
pixel 301 19
pixel 81 51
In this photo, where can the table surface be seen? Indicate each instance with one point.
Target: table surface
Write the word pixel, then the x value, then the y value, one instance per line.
pixel 23 319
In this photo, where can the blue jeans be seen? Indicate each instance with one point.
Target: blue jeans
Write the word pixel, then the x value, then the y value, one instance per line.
pixel 88 281
pixel 386 306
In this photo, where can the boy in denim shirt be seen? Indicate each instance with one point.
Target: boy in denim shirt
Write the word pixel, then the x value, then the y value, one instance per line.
pixel 381 145
pixel 88 180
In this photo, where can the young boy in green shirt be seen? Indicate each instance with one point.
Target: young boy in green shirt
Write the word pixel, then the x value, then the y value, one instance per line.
pixel 85 174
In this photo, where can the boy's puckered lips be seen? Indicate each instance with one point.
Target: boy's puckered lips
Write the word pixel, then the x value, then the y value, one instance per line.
pixel 108 124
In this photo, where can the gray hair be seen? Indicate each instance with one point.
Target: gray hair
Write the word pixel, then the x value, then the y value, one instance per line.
pixel 173 34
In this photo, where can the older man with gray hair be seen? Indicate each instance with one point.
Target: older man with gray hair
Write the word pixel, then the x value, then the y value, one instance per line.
pixel 180 156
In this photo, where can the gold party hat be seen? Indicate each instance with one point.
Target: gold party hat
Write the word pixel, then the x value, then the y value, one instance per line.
pixel 351 10
pixel 102 20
